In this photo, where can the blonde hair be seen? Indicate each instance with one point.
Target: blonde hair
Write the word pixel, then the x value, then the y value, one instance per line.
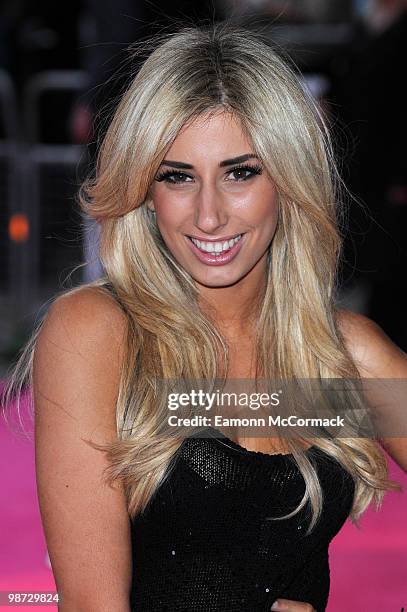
pixel 199 70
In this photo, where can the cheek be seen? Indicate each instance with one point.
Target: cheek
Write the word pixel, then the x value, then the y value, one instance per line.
pixel 163 207
pixel 171 207
pixel 264 207
pixel 168 221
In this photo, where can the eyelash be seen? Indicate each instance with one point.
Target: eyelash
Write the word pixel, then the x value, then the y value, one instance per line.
pixel 164 176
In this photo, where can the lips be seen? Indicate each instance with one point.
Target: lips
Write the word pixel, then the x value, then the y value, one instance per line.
pixel 217 260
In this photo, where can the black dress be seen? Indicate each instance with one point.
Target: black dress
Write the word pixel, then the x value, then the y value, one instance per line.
pixel 204 543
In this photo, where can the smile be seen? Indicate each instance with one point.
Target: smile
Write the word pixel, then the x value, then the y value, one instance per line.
pixel 216 253
pixel 216 247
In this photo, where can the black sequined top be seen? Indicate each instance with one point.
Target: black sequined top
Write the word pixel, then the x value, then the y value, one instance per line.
pixel 204 543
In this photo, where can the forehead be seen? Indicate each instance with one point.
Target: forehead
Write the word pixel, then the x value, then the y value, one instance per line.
pixel 217 135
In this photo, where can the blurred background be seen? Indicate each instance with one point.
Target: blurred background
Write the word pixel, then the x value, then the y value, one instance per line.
pixel 62 71
pixel 62 68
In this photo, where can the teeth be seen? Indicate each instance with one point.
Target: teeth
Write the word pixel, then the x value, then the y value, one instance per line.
pixel 216 247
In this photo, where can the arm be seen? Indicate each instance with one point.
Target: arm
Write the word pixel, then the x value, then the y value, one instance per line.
pixel 376 356
pixel 75 383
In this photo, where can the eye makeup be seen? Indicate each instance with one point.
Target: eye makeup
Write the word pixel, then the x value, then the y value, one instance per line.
pixel 167 175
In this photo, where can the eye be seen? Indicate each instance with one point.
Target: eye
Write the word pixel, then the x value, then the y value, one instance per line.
pixel 168 177
pixel 252 170
pixel 174 177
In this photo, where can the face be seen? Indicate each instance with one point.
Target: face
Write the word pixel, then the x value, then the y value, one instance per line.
pixel 216 213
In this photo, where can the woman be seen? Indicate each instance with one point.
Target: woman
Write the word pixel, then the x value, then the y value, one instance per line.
pixel 218 198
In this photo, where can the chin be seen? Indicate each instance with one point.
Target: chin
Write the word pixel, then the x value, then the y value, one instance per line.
pixel 217 282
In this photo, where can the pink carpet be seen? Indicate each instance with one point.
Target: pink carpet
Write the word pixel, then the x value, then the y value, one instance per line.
pixel 368 566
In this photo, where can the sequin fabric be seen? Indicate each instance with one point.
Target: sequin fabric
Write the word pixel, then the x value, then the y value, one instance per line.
pixel 204 543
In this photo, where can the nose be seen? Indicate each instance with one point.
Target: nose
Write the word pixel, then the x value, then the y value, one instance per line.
pixel 210 210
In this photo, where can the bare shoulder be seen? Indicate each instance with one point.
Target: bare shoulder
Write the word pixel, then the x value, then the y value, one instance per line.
pixel 89 308
pixel 374 353
pixel 79 352
pixel 377 356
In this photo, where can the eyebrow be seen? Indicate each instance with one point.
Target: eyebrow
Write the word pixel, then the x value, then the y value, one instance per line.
pixel 225 162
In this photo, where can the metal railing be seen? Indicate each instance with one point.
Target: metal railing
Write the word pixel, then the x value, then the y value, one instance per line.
pixel 39 180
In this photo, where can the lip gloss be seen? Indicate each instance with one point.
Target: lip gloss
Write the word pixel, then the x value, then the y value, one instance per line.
pixel 210 259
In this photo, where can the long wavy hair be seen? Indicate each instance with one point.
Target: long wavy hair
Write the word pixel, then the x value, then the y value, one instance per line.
pixel 205 69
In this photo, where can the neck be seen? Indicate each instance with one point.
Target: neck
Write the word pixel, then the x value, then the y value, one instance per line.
pixel 234 309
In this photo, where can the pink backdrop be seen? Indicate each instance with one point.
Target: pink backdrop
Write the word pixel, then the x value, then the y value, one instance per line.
pixel 368 566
